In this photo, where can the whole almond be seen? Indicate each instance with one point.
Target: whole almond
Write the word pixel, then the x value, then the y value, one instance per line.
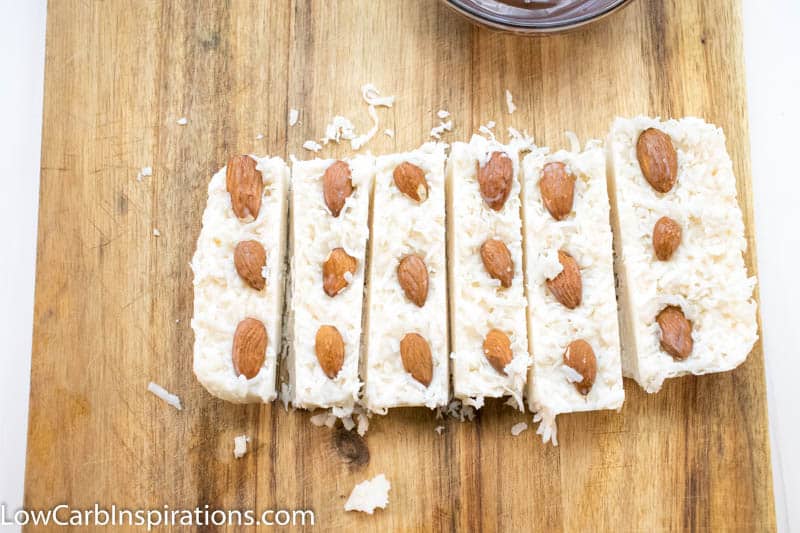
pixel 497 349
pixel 666 238
pixel 657 159
pixel 329 346
pixel 413 277
pixel 334 269
pixel 416 356
pixel 497 261
pixel 676 332
pixel 410 180
pixel 579 356
pixel 250 258
pixel 557 189
pixel 567 287
pixel 495 179
pixel 249 347
pixel 337 186
pixel 245 185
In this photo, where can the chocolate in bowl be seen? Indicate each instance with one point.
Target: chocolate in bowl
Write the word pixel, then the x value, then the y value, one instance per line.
pixel 535 16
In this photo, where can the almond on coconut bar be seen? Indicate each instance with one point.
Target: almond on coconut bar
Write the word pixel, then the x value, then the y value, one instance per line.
pixel 489 340
pixel 572 312
pixel 406 349
pixel 329 231
pixel 685 299
pixel 239 278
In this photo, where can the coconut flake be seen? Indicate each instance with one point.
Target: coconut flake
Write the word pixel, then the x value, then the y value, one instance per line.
pixel 312 146
pixel 338 129
pixel 361 140
pixel 442 114
pixel 156 233
pixel 372 96
pixel 510 102
pixel 388 132
pixel 259 136
pixel 547 426
pixel 439 429
pixel 165 395
pixel 182 121
pixel 516 429
pixel 240 446
pixel 144 172
pixel 369 495
pixel 437 131
pixel 294 114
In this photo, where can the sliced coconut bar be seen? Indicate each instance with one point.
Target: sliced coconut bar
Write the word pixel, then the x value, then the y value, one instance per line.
pixel 685 299
pixel 572 311
pixel 406 355
pixel 329 232
pixel 489 339
pixel 238 280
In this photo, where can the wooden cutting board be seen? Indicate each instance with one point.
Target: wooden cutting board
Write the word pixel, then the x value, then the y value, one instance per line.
pixel 114 301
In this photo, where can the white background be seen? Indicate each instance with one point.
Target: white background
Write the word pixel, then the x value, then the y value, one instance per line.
pixel 772 57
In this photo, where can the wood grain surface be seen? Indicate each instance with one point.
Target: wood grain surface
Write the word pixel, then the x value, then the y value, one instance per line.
pixel 114 301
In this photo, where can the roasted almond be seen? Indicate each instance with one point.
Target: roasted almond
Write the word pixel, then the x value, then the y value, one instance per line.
pixel 410 180
pixel 497 349
pixel 245 185
pixel 334 270
pixel 657 159
pixel 676 332
pixel 413 277
pixel 497 261
pixel 495 179
pixel 567 287
pixel 249 347
pixel 557 189
pixel 416 356
pixel 666 238
pixel 329 346
pixel 337 186
pixel 579 356
pixel 250 258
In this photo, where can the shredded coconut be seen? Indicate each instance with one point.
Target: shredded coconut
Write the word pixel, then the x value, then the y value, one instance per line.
pixel 144 172
pixel 240 446
pixel 338 129
pixel 259 136
pixel 516 429
pixel 388 132
pixel 439 429
pixel 312 146
pixel 442 114
pixel 165 395
pixel 369 495
pixel 510 102
pixel 437 131
pixel 156 232
pixel 294 114
pixel 182 121
pixel 547 426
pixel 372 96
pixel 361 140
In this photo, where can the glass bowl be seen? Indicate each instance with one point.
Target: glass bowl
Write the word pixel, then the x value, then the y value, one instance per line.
pixel 535 16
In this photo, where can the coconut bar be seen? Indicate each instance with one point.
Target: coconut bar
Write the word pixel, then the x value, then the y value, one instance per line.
pixel 488 339
pixel 685 300
pixel 406 355
pixel 238 280
pixel 329 232
pixel 572 311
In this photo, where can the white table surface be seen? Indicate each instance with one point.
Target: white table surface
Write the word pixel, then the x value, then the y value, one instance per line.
pixel 772 57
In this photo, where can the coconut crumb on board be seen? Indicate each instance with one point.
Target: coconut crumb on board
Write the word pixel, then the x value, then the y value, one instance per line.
pixel 437 131
pixel 439 429
pixel 516 429
pixel 369 495
pixel 388 132
pixel 240 446
pixel 312 146
pixel 510 102
pixel 339 128
pixel 182 121
pixel 361 140
pixel 372 96
pixel 144 172
pixel 547 427
pixel 443 114
pixel 165 395
pixel 294 115
pixel 156 233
